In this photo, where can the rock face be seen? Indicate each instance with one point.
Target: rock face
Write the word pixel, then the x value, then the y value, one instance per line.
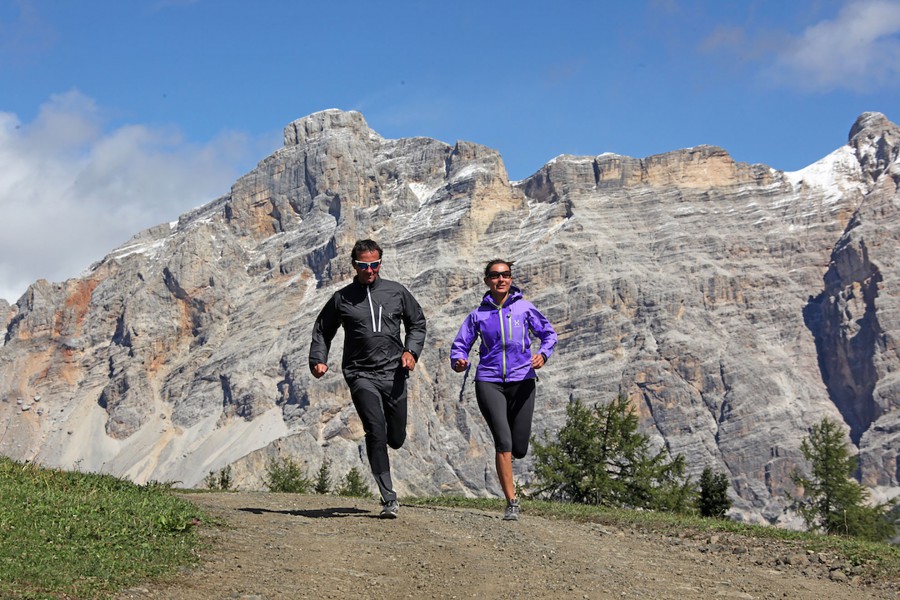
pixel 6 313
pixel 733 304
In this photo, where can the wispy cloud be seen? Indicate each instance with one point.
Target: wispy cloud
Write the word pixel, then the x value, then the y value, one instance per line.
pixel 25 37
pixel 71 191
pixel 858 50
pixel 560 73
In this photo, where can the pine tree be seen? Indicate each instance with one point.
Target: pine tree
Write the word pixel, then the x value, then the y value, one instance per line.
pixel 285 475
pixel 832 500
pixel 599 457
pixel 219 481
pixel 713 500
pixel 353 485
pixel 323 478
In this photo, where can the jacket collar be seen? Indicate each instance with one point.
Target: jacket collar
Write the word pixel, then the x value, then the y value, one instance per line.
pixel 514 294
pixel 371 286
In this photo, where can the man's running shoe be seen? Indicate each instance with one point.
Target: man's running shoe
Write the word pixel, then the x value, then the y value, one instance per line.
pixel 390 510
pixel 512 511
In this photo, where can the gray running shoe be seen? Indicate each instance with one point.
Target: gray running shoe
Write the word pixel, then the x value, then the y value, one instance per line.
pixel 390 510
pixel 512 511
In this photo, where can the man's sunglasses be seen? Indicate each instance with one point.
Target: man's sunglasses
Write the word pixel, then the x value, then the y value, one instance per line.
pixel 499 274
pixel 364 266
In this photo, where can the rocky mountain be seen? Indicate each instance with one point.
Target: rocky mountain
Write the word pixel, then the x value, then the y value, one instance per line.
pixel 735 306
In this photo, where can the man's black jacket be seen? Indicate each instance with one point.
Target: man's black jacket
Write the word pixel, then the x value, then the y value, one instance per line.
pixel 371 317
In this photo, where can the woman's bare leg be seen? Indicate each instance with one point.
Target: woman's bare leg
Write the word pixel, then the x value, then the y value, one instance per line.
pixel 505 474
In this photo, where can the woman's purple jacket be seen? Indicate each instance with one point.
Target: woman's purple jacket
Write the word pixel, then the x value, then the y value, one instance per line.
pixel 505 351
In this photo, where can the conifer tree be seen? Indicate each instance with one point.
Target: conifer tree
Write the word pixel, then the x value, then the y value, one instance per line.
pixel 353 485
pixel 599 457
pixel 219 481
pixel 832 500
pixel 713 499
pixel 323 478
pixel 285 475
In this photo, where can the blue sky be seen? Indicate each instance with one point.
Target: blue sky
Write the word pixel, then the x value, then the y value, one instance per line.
pixel 119 115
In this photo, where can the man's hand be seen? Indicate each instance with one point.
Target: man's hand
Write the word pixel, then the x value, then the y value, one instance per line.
pixel 318 370
pixel 408 361
pixel 460 365
pixel 537 361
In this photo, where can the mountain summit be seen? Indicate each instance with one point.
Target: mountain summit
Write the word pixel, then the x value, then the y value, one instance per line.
pixel 734 305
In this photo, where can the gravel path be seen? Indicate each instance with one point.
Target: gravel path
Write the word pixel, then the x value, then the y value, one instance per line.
pixel 288 546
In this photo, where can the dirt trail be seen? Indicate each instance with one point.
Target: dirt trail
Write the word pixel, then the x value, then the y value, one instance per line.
pixel 287 546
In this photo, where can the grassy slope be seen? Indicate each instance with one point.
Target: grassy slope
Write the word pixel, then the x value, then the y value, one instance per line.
pixel 65 534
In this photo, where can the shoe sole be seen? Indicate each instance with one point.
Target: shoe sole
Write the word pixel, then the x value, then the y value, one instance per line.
pixel 388 515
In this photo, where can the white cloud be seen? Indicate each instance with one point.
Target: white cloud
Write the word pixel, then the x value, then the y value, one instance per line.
pixel 71 191
pixel 858 50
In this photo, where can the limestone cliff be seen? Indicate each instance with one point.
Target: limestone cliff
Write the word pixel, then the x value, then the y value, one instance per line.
pixel 6 313
pixel 735 305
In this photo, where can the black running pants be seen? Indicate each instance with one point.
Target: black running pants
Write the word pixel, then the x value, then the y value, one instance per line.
pixel 381 405
pixel 508 408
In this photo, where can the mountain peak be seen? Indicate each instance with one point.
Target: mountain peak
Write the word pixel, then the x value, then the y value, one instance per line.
pixel 871 122
pixel 331 120
pixel 876 142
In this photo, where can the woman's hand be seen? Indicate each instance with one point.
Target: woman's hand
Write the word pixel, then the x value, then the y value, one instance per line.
pixel 460 365
pixel 537 361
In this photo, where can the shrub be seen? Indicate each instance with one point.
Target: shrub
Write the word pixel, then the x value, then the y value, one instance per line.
pixel 219 481
pixel 353 485
pixel 284 475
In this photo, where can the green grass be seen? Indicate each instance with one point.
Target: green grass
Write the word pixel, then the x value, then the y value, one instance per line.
pixel 878 561
pixel 79 535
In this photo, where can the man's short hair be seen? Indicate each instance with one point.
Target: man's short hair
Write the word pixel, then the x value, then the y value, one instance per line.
pixel 365 246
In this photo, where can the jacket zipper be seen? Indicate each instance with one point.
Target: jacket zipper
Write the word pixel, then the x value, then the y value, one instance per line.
pixel 376 327
pixel 524 334
pixel 503 342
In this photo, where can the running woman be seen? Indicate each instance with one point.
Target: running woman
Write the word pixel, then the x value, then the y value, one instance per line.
pixel 505 377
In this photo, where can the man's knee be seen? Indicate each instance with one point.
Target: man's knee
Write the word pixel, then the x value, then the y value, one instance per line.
pixel 396 440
